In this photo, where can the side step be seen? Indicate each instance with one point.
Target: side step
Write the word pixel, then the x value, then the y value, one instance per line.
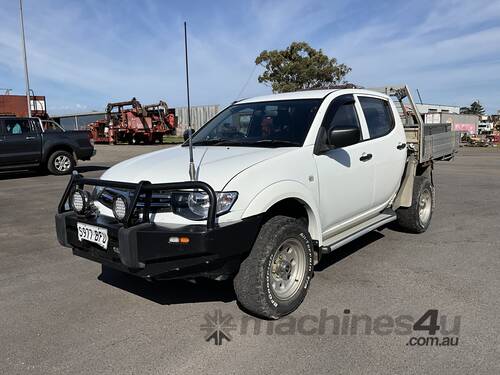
pixel 350 234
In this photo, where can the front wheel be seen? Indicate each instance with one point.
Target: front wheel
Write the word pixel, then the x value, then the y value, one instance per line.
pixel 417 217
pixel 273 280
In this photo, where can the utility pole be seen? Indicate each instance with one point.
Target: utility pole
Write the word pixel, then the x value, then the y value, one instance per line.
pixel 23 46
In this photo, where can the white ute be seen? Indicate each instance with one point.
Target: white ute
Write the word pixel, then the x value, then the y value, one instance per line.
pixel 280 181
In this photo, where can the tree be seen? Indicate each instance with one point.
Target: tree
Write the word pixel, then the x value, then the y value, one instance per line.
pixel 474 109
pixel 299 66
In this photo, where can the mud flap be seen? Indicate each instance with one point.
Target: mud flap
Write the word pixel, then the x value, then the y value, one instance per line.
pixel 405 193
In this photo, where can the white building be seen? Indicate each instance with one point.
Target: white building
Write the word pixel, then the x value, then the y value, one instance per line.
pixel 437 108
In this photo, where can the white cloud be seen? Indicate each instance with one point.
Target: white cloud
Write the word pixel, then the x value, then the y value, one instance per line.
pixel 450 55
pixel 94 52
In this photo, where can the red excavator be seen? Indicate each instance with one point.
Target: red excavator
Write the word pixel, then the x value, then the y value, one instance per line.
pixel 130 122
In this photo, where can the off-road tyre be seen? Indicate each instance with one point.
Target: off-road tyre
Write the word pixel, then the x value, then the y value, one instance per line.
pixel 253 283
pixel 411 219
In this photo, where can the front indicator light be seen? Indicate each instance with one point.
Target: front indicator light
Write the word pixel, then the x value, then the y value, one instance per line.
pixel 181 240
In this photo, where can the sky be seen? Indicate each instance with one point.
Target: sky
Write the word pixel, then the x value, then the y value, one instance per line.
pixel 83 54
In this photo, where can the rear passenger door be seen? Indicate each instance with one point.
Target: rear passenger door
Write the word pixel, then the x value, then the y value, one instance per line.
pixel 387 144
pixel 22 142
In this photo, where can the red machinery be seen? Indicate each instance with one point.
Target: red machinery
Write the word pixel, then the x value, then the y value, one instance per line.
pixel 132 123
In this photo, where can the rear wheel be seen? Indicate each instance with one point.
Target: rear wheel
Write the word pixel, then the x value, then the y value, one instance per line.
pixel 273 280
pixel 417 217
pixel 61 162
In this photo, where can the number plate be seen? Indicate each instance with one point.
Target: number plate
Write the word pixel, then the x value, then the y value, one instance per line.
pixel 93 234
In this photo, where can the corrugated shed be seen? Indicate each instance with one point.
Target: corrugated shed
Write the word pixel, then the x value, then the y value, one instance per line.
pixel 199 115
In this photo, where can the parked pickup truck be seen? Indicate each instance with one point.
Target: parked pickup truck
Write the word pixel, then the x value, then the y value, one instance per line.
pixel 32 143
pixel 279 181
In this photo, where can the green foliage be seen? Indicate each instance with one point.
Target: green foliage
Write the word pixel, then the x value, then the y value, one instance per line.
pixel 299 66
pixel 474 109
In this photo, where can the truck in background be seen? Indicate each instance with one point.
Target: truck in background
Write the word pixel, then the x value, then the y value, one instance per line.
pixel 32 143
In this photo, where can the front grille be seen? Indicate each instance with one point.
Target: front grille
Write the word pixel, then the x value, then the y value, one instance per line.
pixel 161 200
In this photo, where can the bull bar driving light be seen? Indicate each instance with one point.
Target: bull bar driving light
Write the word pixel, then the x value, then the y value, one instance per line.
pixel 79 201
pixel 120 207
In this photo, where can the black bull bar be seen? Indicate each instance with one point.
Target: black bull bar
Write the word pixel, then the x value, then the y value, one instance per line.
pixel 138 189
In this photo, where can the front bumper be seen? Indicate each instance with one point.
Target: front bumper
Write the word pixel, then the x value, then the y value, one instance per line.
pixel 144 249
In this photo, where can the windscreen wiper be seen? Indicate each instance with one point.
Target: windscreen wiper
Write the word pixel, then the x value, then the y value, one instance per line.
pixel 209 142
pixel 275 142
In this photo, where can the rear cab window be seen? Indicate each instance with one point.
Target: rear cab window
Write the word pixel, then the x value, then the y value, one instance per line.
pixel 51 127
pixel 378 116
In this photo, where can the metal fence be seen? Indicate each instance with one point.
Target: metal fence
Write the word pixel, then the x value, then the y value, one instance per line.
pixel 199 115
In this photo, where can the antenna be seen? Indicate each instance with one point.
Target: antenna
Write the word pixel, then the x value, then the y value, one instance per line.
pixel 418 92
pixel 192 170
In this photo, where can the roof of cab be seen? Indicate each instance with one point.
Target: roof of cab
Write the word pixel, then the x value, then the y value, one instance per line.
pixel 306 94
pixel 310 94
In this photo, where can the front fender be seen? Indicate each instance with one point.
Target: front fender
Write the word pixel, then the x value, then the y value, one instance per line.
pixel 281 190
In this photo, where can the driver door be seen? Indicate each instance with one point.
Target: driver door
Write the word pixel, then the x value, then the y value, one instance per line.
pixel 345 174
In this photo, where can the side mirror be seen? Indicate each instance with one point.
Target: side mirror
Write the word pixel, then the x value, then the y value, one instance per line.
pixel 343 136
pixel 186 134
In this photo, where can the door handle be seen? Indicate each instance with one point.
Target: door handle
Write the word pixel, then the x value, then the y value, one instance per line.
pixel 365 156
pixel 401 145
pixel 29 138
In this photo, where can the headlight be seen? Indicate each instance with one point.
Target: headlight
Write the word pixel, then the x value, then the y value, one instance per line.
pixel 120 208
pixel 195 205
pixel 79 201
pixel 198 203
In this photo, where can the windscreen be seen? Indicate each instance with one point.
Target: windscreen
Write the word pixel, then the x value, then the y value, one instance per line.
pixel 263 124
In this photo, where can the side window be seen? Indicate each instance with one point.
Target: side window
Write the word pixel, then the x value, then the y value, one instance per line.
pixel 345 116
pixel 378 115
pixel 16 127
pixel 342 114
